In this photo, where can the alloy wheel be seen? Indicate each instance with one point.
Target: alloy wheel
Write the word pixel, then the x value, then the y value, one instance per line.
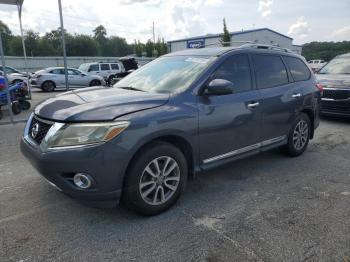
pixel 159 180
pixel 300 135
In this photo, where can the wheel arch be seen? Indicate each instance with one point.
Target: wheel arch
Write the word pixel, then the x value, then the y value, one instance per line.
pixel 311 116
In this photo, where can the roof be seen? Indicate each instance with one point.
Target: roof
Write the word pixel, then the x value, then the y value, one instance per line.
pixel 212 51
pixel 231 33
pixel 217 51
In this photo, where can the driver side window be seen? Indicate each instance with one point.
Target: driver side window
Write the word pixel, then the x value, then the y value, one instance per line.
pixel 237 70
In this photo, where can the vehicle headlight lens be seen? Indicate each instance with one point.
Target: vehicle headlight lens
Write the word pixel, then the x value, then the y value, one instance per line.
pixel 61 135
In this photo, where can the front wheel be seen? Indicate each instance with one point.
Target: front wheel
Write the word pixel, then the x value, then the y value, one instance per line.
pixel 95 82
pixel 156 179
pixel 299 136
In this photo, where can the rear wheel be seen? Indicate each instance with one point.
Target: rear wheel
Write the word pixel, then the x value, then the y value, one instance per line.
pixel 95 82
pixel 156 179
pixel 299 136
pixel 16 108
pixel 48 86
pixel 25 105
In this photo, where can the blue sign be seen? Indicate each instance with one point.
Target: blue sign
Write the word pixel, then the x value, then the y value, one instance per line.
pixel 198 43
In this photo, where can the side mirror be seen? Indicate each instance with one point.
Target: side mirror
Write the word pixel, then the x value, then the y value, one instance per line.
pixel 218 87
pixel 82 74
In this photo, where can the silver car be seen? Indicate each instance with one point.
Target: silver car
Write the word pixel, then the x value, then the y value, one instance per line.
pixel 53 77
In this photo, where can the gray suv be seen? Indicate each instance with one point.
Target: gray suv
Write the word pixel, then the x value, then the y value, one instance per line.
pixel 185 112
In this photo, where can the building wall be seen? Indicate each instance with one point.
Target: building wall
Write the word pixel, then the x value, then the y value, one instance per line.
pixel 265 37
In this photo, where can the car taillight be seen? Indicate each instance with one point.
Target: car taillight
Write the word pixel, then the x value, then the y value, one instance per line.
pixel 319 87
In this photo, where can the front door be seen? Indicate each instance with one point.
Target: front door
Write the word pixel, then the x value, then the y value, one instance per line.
pixel 230 125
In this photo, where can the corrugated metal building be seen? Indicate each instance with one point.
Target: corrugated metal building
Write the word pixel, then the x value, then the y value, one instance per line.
pixel 264 36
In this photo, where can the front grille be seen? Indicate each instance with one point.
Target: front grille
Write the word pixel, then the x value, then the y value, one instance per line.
pixel 38 129
pixel 336 94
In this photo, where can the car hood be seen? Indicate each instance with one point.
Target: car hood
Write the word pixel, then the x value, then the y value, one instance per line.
pixel 336 80
pixel 97 104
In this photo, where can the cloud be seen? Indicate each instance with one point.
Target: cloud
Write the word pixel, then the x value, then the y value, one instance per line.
pixel 213 3
pixel 300 29
pixel 148 2
pixel 183 18
pixel 341 33
pixel 264 7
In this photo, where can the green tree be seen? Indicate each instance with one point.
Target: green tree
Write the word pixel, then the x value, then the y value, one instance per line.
pixel 149 48
pixel 226 37
pixel 6 36
pixel 325 50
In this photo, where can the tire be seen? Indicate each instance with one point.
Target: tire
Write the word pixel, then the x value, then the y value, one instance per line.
pixel 167 188
pixel 25 105
pixel 299 136
pixel 110 80
pixel 48 86
pixel 95 82
pixel 16 108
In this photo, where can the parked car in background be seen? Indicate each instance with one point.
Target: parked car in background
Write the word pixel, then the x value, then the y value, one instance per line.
pixel 335 78
pixel 179 114
pixel 106 70
pixel 54 77
pixel 130 65
pixel 316 65
pixel 13 75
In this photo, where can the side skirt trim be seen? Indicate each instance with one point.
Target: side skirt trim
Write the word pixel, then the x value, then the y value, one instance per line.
pixel 245 149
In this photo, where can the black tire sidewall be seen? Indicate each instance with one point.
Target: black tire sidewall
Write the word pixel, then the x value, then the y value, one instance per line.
pixel 16 108
pixel 95 82
pixel 292 151
pixel 131 194
pixel 25 105
pixel 46 89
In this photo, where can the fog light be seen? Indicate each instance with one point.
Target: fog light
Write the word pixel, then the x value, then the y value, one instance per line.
pixel 82 181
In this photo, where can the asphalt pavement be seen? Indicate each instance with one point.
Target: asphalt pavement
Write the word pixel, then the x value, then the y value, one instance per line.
pixel 265 208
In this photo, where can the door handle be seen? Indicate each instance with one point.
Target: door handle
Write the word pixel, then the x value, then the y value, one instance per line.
pixel 296 95
pixel 253 104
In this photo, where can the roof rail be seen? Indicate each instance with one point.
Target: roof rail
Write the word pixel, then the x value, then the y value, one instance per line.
pixel 270 47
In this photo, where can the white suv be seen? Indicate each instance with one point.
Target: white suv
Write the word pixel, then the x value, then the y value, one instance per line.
pixel 107 70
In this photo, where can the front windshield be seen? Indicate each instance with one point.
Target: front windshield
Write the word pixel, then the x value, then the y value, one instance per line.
pixel 166 74
pixel 337 66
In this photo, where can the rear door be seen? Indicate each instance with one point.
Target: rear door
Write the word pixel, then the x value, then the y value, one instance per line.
pixel 105 70
pixel 280 97
pixel 58 76
pixel 229 125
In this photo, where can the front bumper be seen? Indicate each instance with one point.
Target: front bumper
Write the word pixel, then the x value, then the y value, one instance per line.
pixel 335 107
pixel 104 163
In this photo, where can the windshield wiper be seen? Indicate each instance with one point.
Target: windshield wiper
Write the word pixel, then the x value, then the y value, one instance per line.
pixel 131 88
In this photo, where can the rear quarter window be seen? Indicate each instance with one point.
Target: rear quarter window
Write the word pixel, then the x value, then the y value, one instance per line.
pixel 298 69
pixel 270 71
pixel 94 68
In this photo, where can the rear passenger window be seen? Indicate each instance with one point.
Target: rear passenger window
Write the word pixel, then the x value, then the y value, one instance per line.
pixel 270 71
pixel 237 70
pixel 104 67
pixel 94 68
pixel 114 66
pixel 299 71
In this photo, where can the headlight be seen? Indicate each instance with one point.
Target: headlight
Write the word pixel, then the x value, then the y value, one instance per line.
pixel 65 135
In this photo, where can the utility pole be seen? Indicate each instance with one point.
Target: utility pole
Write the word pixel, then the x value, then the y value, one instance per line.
pixel 154 36
pixel 63 45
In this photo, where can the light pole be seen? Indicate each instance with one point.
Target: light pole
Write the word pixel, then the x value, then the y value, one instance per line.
pixel 63 45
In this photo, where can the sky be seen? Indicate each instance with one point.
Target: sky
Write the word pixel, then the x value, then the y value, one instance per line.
pixel 305 21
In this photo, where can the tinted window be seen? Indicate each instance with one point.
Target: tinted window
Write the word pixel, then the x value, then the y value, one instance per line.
pixel 299 71
pixel 104 67
pixel 57 71
pixel 94 68
pixel 237 70
pixel 73 72
pixel 115 66
pixel 270 71
pixel 340 65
